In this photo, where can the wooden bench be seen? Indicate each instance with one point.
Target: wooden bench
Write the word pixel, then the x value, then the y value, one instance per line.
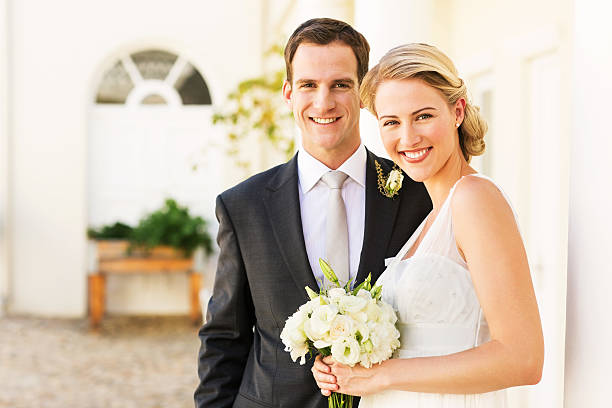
pixel 112 258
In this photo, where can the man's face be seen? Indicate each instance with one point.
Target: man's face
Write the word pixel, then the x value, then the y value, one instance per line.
pixel 324 98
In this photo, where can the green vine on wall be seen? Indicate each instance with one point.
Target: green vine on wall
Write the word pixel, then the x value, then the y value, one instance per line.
pixel 255 111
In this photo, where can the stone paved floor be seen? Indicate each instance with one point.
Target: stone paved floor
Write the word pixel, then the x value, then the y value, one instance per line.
pixel 145 362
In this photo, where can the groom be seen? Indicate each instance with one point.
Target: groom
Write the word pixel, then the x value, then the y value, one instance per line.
pixel 273 228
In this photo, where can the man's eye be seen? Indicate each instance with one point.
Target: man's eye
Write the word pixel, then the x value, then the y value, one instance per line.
pixel 424 116
pixel 307 85
pixel 390 122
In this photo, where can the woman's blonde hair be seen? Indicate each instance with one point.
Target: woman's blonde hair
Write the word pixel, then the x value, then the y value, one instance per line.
pixel 429 64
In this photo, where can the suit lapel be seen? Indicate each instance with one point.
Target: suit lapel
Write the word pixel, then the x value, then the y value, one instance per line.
pixel 380 213
pixel 283 207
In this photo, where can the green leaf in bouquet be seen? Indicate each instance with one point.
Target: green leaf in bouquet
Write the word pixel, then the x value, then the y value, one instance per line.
pixel 311 293
pixel 377 292
pixel 368 284
pixel 362 285
pixel 357 289
pixel 347 287
pixel 368 346
pixel 328 272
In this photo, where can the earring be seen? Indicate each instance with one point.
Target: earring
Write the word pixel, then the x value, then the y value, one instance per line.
pixel 457 124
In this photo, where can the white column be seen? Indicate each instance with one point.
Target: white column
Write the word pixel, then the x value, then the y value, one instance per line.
pixel 589 289
pixel 4 156
pixel 387 24
pixel 338 9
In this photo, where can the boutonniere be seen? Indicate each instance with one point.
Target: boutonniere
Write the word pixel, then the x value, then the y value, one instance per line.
pixel 390 185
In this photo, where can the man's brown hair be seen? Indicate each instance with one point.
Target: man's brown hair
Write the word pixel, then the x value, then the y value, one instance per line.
pixel 323 31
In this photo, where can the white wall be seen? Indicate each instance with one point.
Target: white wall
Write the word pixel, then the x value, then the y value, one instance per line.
pixel 4 156
pixel 57 62
pixel 589 331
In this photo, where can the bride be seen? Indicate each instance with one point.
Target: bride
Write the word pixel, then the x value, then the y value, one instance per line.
pixel 461 285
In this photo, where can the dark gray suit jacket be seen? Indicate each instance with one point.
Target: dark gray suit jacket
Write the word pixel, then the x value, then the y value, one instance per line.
pixel 261 274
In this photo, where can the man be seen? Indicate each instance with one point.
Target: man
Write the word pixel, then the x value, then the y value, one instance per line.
pixel 273 228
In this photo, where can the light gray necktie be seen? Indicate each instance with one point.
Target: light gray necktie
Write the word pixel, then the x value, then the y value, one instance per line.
pixel 336 239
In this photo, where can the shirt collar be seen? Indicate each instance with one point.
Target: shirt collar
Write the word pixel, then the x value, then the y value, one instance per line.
pixel 310 169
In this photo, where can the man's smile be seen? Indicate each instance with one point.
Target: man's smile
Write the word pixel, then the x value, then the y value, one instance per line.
pixel 324 121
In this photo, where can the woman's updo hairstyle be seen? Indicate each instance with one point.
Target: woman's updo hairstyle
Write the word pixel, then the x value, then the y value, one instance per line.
pixel 430 65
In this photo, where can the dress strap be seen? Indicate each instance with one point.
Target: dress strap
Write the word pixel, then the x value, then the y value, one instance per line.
pixel 402 252
pixel 478 327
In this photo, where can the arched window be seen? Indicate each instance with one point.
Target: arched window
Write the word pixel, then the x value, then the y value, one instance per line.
pixel 153 77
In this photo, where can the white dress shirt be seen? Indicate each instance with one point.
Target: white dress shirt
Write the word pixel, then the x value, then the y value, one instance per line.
pixel 313 206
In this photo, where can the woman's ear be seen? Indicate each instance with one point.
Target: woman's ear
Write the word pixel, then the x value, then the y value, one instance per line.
pixel 459 111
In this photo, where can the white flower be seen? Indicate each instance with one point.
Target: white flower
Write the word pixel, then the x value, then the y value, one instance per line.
pixel 351 304
pixel 346 351
pixel 388 314
pixel 293 336
pixel 341 327
pixel 299 353
pixel 394 182
pixel 364 294
pixel 320 321
pixel 310 306
pixel 355 328
pixel 335 293
pixel 373 311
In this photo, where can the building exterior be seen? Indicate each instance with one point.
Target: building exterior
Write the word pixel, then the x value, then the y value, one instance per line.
pixel 535 68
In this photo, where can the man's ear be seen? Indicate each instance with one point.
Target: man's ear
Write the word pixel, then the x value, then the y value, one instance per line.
pixel 287 93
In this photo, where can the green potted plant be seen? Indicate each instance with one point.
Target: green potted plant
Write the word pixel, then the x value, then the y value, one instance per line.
pixel 256 113
pixel 170 226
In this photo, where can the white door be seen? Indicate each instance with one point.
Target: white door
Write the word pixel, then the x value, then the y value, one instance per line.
pixel 150 126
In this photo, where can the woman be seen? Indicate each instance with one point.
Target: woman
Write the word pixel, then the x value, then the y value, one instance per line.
pixel 468 315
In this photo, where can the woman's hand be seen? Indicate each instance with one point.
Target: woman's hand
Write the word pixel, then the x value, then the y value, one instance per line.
pixel 322 375
pixel 337 377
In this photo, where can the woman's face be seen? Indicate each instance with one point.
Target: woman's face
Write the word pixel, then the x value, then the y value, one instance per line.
pixel 417 126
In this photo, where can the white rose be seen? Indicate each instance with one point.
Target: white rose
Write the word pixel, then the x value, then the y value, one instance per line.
pixel 299 353
pixel 346 351
pixel 318 325
pixel 361 316
pixel 309 306
pixel 388 314
pixel 385 339
pixel 341 327
pixel 364 294
pixel 351 304
pixel 374 311
pixel 293 331
pixel 321 344
pixel 394 182
pixel 294 338
pixel 336 293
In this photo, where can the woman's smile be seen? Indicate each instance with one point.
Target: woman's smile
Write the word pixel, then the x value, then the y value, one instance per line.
pixel 415 155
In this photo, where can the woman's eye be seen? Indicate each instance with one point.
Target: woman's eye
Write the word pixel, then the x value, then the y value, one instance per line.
pixel 423 116
pixel 390 122
pixel 341 85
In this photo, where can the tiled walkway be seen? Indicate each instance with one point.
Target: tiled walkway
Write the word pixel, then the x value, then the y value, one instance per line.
pixel 129 362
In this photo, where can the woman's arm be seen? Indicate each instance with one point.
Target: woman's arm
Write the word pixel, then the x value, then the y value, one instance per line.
pixel 488 237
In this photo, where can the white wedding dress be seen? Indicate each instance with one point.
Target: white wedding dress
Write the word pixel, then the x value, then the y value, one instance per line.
pixel 438 312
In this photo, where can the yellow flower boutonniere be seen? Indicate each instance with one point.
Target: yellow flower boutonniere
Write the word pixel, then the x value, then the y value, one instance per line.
pixel 390 185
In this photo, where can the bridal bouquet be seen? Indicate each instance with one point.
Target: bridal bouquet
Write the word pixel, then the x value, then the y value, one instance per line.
pixel 353 326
